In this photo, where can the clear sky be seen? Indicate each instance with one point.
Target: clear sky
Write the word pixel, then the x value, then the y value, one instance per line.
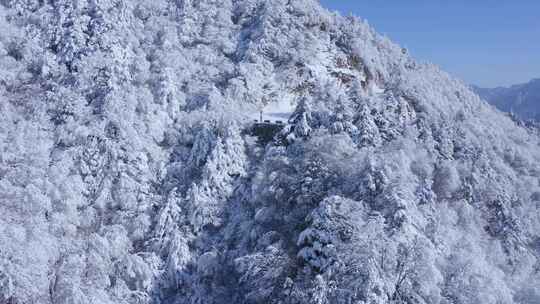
pixel 484 42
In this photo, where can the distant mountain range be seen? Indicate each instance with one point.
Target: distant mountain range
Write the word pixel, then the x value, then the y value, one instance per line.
pixel 523 99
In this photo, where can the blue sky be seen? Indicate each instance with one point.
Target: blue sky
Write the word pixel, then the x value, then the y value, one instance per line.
pixel 488 43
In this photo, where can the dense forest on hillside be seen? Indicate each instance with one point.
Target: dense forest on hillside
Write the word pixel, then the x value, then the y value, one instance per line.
pixel 127 174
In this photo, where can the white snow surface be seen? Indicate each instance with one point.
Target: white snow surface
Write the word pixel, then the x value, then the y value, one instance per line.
pixel 280 110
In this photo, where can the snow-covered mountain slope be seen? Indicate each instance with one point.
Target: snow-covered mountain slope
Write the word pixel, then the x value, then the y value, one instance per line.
pixel 523 100
pixel 126 175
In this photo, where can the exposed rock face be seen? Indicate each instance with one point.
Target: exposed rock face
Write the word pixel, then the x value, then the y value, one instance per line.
pixel 126 177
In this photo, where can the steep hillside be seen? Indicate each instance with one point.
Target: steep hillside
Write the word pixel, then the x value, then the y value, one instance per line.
pixel 523 100
pixel 128 175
